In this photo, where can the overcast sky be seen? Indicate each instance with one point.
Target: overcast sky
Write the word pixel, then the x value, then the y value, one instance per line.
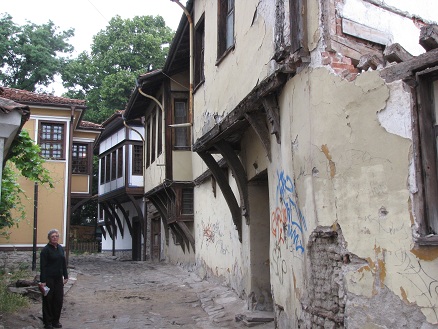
pixel 88 17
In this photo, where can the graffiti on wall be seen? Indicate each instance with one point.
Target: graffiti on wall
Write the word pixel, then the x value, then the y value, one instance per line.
pixel 278 263
pixel 287 221
pixel 213 235
pixel 424 282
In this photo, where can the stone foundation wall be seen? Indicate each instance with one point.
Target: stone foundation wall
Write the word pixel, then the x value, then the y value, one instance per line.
pixel 12 261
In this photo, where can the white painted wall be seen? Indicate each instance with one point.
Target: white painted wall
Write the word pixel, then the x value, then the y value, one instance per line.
pixel 121 243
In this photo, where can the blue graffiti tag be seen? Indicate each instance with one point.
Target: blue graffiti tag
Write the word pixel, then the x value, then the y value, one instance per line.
pixel 288 214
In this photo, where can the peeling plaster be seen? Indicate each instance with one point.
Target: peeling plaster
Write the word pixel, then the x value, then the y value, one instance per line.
pixel 332 165
pixel 396 117
pixel 426 253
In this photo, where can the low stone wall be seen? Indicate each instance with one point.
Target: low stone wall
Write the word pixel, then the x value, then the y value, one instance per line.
pixel 12 261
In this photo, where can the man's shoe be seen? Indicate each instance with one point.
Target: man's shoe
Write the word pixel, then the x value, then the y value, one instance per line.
pixel 57 325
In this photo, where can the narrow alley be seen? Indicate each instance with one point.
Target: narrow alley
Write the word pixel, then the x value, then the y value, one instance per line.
pixel 108 292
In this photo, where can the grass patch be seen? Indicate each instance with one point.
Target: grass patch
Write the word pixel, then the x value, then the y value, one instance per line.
pixel 10 302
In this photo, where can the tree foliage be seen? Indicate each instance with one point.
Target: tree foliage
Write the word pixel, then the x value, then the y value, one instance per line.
pixel 31 54
pixel 26 159
pixel 106 76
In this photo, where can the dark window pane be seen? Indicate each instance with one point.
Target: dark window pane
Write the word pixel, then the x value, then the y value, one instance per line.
pixel 187 201
pixel 80 159
pixel 181 133
pixel 137 160
pixel 52 140
pixel 119 162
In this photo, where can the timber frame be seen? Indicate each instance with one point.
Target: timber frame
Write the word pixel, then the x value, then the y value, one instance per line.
pixel 165 200
pixel 419 73
pixel 259 110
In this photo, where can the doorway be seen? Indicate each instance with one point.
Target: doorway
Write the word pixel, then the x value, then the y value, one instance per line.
pixel 258 196
pixel 156 238
pixel 136 238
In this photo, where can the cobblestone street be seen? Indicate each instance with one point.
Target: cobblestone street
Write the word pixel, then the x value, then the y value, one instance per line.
pixel 107 292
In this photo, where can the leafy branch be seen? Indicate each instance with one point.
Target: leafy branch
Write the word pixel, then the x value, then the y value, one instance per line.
pixel 26 158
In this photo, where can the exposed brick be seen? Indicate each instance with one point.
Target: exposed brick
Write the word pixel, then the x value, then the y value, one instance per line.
pixel 326 306
pixel 346 60
pixel 341 66
pixel 326 60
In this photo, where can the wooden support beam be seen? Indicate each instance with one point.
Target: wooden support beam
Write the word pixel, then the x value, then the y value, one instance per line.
pixel 158 204
pixel 273 114
pixel 369 61
pixel 187 233
pixel 139 213
pixel 406 70
pixel 257 120
pixel 429 37
pixel 234 120
pixel 109 221
pixel 182 235
pixel 161 208
pixel 80 203
pixel 175 230
pixel 227 192
pixel 125 215
pixel 239 173
pixel 117 218
pixel 103 231
pixel 396 53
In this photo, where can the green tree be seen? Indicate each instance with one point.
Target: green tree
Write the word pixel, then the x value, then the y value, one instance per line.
pixel 31 54
pixel 106 76
pixel 25 157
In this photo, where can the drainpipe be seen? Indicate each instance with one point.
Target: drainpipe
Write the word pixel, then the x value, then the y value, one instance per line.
pixel 69 171
pixel 35 226
pixel 189 18
pixel 163 123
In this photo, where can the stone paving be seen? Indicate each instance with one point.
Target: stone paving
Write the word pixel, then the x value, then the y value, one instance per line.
pixel 107 292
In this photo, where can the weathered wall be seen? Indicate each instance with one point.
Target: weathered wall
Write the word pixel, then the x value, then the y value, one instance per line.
pixel 218 250
pixel 173 252
pixel 341 249
pixel 182 165
pixel 220 93
pixel 340 170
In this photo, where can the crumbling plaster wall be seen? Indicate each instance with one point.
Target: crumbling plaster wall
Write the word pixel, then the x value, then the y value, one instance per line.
pixel 219 253
pixel 344 160
pixel 227 82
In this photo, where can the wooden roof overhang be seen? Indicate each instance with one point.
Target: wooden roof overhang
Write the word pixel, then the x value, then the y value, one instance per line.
pixel 7 106
pixel 150 83
pixel 177 61
pixel 163 197
pixel 259 110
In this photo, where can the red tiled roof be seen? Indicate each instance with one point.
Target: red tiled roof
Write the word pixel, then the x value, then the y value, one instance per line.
pixel 24 96
pixel 88 124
